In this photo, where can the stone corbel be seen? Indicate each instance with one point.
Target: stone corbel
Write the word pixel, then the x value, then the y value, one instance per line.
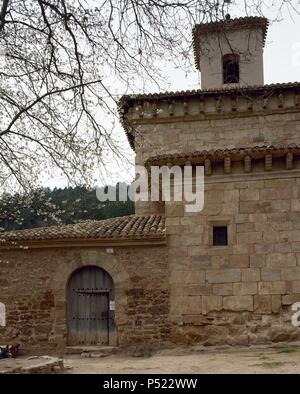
pixel 219 104
pixel 207 167
pixel 234 103
pixel 185 108
pixel 171 108
pixel 265 102
pixel 280 100
pixel 227 165
pixel 201 106
pixel 250 104
pixel 154 110
pixel 247 164
pixel 297 100
pixel 140 111
pixel 268 162
pixel 289 161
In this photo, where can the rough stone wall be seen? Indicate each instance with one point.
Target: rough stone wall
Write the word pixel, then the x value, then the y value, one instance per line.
pixel 240 293
pixel 33 288
pixel 183 135
pixel 179 136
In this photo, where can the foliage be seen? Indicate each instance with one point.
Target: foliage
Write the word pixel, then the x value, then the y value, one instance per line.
pixel 64 65
pixel 45 207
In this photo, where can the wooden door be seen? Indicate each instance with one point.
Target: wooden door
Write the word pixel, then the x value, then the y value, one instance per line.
pixel 89 296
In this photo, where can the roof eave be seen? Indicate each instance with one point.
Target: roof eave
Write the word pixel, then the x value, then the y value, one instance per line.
pixel 23 245
pixel 128 101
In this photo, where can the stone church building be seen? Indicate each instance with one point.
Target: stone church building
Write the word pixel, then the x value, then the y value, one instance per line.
pixel 228 274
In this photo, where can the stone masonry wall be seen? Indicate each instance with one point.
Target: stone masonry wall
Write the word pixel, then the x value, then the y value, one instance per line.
pixel 33 288
pixel 183 136
pixel 173 136
pixel 241 293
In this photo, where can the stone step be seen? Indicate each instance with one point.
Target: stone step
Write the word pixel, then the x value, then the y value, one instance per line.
pixel 90 351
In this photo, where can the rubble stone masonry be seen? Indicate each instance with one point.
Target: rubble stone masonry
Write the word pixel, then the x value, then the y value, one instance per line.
pixel 33 288
pixel 188 291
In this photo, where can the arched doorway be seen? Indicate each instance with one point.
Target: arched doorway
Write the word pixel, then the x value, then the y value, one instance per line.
pixel 90 307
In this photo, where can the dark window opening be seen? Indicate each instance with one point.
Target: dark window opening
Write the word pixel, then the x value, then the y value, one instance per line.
pixel 220 236
pixel 231 69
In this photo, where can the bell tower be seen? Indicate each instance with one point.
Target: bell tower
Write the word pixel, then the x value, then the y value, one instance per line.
pixel 229 52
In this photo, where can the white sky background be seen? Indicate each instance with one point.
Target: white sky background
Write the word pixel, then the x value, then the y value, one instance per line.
pixel 281 64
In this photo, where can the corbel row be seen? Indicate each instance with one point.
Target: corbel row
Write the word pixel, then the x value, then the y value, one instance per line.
pixel 153 109
pixel 248 161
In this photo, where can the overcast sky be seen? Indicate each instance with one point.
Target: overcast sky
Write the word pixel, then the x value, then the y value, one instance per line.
pixel 281 64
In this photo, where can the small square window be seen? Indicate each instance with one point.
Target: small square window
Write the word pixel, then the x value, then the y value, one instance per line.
pixel 220 236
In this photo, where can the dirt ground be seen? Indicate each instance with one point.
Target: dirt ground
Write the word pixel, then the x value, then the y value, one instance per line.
pixel 248 360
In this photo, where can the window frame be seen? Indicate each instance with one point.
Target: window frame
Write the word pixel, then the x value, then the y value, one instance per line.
pixel 235 59
pixel 214 236
pixel 231 232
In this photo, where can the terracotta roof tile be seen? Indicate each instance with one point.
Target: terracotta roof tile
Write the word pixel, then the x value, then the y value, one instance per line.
pixel 126 227
pixel 128 101
pixel 201 92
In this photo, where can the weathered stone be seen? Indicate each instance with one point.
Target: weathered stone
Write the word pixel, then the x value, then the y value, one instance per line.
pixel 238 303
pixel 251 237
pixel 257 260
pixel 195 277
pixel 292 273
pixel 245 227
pixel 262 304
pixel 193 305
pixel 280 260
pixel 290 299
pixel 200 289
pixel 277 287
pixel 249 194
pixel 245 288
pixel 250 275
pixel 177 276
pixel 211 303
pixel 270 274
pixel 295 286
pixel 281 333
pixel 223 289
pixel 239 261
pixel 223 276
pixel 276 303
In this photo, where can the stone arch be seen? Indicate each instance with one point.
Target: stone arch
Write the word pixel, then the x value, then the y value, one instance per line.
pixel 2 315
pixel 109 262
pixel 74 260
pixel 231 68
pixel 90 307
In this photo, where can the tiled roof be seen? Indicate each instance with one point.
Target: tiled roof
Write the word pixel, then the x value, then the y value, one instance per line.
pixel 128 101
pixel 216 154
pixel 126 227
pixel 203 92
pixel 225 25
